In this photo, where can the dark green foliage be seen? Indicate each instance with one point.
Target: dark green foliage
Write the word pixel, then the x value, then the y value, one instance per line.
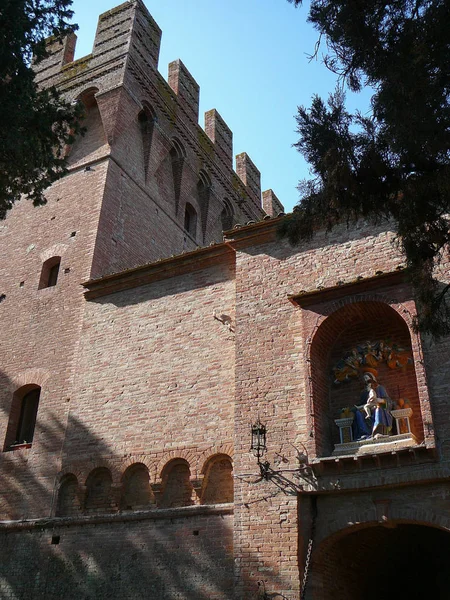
pixel 35 125
pixel 394 163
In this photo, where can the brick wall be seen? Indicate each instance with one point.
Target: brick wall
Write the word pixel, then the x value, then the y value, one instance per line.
pixel 150 383
pixel 289 386
pixel 169 556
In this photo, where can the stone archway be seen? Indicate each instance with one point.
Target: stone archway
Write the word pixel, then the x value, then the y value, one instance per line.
pixel 403 561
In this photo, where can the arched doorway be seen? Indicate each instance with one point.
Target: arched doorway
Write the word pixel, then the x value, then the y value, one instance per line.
pixel 404 561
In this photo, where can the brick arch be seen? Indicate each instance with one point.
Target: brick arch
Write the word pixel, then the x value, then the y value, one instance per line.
pixel 337 327
pixel 30 376
pixel 99 491
pixel 342 525
pixel 95 141
pixel 87 90
pixel 226 449
pixel 136 491
pixel 78 473
pixel 102 463
pixel 189 456
pixel 176 486
pixel 343 563
pixel 217 485
pixel 149 110
pixel 177 147
pixel 214 458
pixel 68 495
pixel 55 250
pixel 136 459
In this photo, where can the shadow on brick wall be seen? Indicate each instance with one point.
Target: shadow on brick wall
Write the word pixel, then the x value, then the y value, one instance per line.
pixel 161 554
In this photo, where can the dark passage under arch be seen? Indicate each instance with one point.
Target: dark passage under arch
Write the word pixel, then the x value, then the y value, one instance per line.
pixel 401 562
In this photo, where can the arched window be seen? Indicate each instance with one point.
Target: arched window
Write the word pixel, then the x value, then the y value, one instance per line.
pixel 22 418
pixel 50 272
pixel 176 485
pixel 190 220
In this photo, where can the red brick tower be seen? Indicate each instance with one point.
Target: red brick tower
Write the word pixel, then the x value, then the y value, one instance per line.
pixel 145 182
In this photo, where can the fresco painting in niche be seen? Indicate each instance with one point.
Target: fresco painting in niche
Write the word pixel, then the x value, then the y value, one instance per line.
pixel 375 416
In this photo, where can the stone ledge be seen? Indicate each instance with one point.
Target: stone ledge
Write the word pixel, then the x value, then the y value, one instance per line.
pixel 119 517
pixel 378 444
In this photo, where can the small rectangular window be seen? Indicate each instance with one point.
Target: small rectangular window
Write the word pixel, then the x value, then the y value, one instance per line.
pixel 53 275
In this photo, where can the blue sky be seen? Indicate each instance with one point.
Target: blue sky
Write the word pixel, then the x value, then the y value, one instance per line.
pixel 250 58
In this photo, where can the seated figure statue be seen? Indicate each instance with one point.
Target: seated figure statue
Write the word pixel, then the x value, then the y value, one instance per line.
pixel 376 404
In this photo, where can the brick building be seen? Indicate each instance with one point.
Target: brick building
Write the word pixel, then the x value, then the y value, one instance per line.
pixel 140 343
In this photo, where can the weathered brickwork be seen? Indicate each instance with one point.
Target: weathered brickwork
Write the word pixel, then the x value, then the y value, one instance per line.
pixel 152 340
pixel 177 553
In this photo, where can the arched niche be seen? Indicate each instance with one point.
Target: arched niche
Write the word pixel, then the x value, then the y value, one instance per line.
pixel 218 486
pixel 93 143
pixel 68 496
pixel 146 119
pixel 227 215
pixel 204 190
pixel 190 220
pixel 136 491
pixel 177 158
pixel 353 325
pixel 99 491
pixel 176 484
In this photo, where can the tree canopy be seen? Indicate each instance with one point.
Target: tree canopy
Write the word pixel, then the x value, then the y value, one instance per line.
pixel 393 163
pixel 35 124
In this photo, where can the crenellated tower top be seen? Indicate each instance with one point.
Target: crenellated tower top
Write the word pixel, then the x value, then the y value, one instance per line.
pixel 151 130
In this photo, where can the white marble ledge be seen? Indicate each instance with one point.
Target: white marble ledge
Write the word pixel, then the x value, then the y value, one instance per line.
pixel 376 444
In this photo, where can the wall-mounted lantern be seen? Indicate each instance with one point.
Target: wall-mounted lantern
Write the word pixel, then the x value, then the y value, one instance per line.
pixel 259 448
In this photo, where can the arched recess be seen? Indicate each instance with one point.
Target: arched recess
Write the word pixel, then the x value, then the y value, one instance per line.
pixel 204 196
pixel 22 416
pixel 177 158
pixel 93 143
pixel 136 491
pixel 176 487
pixel 68 496
pixel 147 119
pixel 218 486
pixel 190 220
pixel 402 560
pixel 352 325
pixel 227 215
pixel 98 491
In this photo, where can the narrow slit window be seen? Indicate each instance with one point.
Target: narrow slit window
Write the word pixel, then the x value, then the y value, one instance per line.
pixel 190 220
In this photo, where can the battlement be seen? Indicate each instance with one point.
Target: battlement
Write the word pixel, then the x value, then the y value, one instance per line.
pixel 126 47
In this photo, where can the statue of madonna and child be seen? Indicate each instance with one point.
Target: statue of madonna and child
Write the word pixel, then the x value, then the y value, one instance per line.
pixel 372 416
